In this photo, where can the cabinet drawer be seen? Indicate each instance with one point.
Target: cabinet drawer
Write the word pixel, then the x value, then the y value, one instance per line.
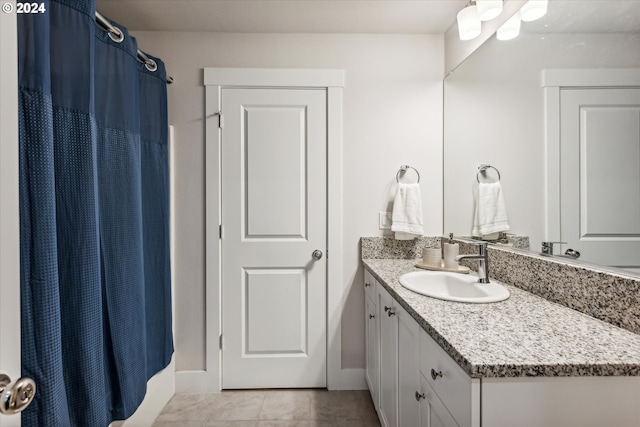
pixel 369 285
pixel 452 385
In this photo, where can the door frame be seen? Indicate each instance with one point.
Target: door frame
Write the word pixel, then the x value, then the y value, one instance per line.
pixel 215 79
pixel 553 81
pixel 10 354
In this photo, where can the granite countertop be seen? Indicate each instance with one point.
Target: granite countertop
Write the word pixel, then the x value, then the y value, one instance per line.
pixel 525 335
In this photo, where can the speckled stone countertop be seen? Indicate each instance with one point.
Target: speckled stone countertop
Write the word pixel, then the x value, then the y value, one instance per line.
pixel 525 335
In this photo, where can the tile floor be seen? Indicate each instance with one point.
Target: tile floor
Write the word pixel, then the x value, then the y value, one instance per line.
pixel 270 408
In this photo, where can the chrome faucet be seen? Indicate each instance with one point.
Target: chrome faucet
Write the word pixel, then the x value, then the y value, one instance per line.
pixel 483 261
pixel 547 247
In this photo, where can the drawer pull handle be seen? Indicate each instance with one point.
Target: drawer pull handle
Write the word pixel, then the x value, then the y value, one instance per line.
pixel 435 374
pixel 366 285
pixel 371 316
pixel 420 396
pixel 389 310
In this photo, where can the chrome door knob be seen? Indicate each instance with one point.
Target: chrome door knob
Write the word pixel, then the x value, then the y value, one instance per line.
pixel 317 254
pixel 572 253
pixel 15 397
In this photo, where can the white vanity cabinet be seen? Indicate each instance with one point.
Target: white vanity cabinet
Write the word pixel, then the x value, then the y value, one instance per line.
pixel 433 413
pixel 412 381
pixel 408 367
pixel 388 338
pixel 415 382
pixel 371 336
pixel 458 393
pixel 419 384
pixel 399 364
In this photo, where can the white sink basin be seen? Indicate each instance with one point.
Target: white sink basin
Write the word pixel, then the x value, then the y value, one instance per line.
pixel 453 287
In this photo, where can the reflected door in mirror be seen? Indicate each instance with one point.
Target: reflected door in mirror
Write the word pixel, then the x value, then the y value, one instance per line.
pixel 600 174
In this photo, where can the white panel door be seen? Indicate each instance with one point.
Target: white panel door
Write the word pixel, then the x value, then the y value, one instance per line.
pixel 600 174
pixel 9 219
pixel 274 217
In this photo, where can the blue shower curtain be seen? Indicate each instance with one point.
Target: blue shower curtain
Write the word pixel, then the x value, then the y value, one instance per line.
pixel 94 218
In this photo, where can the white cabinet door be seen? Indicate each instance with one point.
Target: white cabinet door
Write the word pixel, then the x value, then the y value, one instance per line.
pixel 372 346
pixel 388 409
pixel 408 369
pixel 600 174
pixel 433 413
pixel 274 214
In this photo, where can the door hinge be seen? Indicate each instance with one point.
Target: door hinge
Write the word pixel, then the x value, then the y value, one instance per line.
pixel 221 231
pixel 221 342
pixel 220 119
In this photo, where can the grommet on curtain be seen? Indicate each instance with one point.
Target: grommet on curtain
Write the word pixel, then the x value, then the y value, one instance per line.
pixel 115 34
pixel 151 65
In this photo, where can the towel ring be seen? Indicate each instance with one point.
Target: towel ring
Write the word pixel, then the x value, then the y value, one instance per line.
pixel 482 169
pixel 403 169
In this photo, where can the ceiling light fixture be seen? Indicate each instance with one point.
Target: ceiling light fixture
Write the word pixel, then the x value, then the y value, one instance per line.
pixel 533 9
pixel 489 9
pixel 510 29
pixel 469 26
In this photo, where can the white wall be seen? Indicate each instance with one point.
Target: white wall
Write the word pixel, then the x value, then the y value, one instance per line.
pixel 9 215
pixel 392 116
pixel 494 113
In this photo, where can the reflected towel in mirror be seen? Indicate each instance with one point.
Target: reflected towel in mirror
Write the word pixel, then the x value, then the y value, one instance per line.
pixel 490 212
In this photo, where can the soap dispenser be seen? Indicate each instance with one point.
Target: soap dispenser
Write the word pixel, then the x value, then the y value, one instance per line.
pixel 451 251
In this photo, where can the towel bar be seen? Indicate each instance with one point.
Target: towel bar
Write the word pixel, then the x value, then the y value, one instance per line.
pixel 403 169
pixel 482 169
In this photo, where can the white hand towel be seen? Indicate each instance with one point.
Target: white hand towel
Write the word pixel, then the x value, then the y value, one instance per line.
pixel 406 219
pixel 490 213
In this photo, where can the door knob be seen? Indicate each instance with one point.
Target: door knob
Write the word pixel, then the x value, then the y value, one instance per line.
pixel 15 397
pixel 572 253
pixel 317 254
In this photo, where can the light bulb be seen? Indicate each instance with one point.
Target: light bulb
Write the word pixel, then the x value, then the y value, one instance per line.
pixel 469 26
pixel 533 9
pixel 489 9
pixel 510 29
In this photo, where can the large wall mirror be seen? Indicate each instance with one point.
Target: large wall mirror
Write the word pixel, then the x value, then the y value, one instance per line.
pixel 496 111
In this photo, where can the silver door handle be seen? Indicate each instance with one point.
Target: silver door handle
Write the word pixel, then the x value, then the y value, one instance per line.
pixel 15 397
pixel 317 254
pixel 572 253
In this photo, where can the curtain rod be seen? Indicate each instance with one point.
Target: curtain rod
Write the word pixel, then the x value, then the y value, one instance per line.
pixel 117 36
